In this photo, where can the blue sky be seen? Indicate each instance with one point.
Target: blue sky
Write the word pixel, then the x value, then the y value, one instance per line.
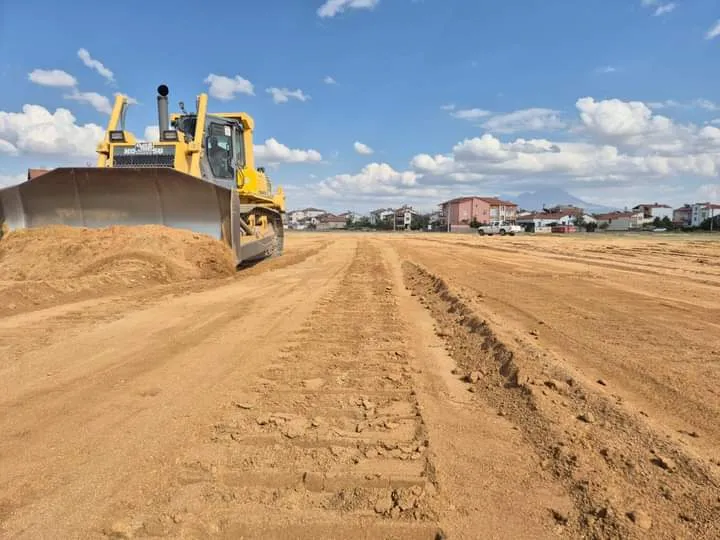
pixel 613 100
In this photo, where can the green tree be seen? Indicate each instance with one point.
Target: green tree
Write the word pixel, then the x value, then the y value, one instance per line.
pixel 711 224
pixel 474 224
pixel 418 223
pixel 667 223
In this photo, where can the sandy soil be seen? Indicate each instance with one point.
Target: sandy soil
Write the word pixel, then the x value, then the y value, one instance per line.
pixel 367 386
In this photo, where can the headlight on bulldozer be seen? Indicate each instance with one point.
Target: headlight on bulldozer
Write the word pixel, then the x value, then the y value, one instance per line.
pixel 170 135
pixel 117 136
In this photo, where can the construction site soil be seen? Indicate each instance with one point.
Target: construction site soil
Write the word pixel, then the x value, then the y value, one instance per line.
pixel 359 386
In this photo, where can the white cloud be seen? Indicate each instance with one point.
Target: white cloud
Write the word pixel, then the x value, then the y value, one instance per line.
pixel 329 80
pixel 664 9
pixel 375 179
pixel 333 7
pixel 535 119
pixel 616 143
pixel 36 130
pixel 714 31
pixel 696 103
pixel 98 101
pixel 52 77
pixel 362 149
pixel 8 148
pixel 273 152
pixel 606 69
pixel 11 180
pixel 224 88
pixel 130 100
pixel 470 114
pixel 448 107
pixel 152 133
pixel 708 192
pixel 96 65
pixel 283 95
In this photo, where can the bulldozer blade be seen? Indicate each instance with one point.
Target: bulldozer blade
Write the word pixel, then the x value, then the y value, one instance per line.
pixel 101 197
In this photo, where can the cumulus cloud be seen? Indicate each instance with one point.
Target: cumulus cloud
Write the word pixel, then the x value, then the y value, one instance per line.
pixel 362 149
pixel 333 7
pixel 535 119
pixel 59 78
pixel 448 107
pixel 273 152
pixel 375 180
pixel 36 130
pixel 700 103
pixel 714 31
pixel 225 88
pixel 664 9
pixel 95 65
pixel 469 114
pixel 283 95
pixel 98 101
pixel 52 77
pixel 7 180
pixel 329 80
pixel 621 143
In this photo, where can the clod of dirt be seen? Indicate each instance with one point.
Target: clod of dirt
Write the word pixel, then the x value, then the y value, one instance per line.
pixel 473 377
pixel 295 428
pixel 384 504
pixel 601 382
pixel 534 333
pixel 243 405
pixel 665 463
pixel 313 481
pixel 313 384
pixel 641 519
pixel 119 529
pixel 587 417
pixel 560 516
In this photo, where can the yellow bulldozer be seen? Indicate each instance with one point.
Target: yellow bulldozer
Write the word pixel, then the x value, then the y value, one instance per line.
pixel 200 175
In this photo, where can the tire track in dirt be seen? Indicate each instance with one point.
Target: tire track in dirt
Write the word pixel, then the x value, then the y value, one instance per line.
pixel 327 442
pixel 625 479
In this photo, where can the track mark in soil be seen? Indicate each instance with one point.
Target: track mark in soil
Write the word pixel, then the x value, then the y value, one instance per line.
pixel 328 441
pixel 623 477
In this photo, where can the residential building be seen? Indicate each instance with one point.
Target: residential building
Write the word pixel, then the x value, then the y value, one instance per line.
pixel 620 221
pixel 463 210
pixel 305 215
pixel 703 211
pixel 352 216
pixel 380 215
pixel 683 216
pixel 653 211
pixel 532 222
pixel 403 217
pixel 330 221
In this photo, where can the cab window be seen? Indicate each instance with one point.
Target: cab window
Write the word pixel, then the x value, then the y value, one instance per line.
pixel 220 150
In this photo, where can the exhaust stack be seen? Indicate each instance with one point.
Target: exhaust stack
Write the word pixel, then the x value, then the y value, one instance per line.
pixel 162 103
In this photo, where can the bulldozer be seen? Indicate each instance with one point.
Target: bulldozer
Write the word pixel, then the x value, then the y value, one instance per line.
pixel 199 176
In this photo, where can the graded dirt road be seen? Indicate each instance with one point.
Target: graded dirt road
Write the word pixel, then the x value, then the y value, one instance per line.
pixel 374 386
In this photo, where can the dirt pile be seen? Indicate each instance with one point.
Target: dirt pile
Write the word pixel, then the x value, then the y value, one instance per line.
pixel 43 265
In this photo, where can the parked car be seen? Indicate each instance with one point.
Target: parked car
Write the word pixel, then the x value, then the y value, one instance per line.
pixel 499 227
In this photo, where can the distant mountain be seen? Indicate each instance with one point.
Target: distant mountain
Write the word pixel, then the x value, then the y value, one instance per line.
pixel 551 196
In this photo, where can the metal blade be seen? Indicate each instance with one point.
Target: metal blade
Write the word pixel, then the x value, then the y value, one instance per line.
pixel 101 197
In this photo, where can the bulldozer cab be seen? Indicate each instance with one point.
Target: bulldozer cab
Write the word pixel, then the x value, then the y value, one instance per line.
pixel 224 148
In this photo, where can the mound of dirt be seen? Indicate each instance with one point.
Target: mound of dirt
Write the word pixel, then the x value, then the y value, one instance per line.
pixel 40 265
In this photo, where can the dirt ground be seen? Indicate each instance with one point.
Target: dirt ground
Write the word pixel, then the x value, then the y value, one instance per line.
pixel 361 386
